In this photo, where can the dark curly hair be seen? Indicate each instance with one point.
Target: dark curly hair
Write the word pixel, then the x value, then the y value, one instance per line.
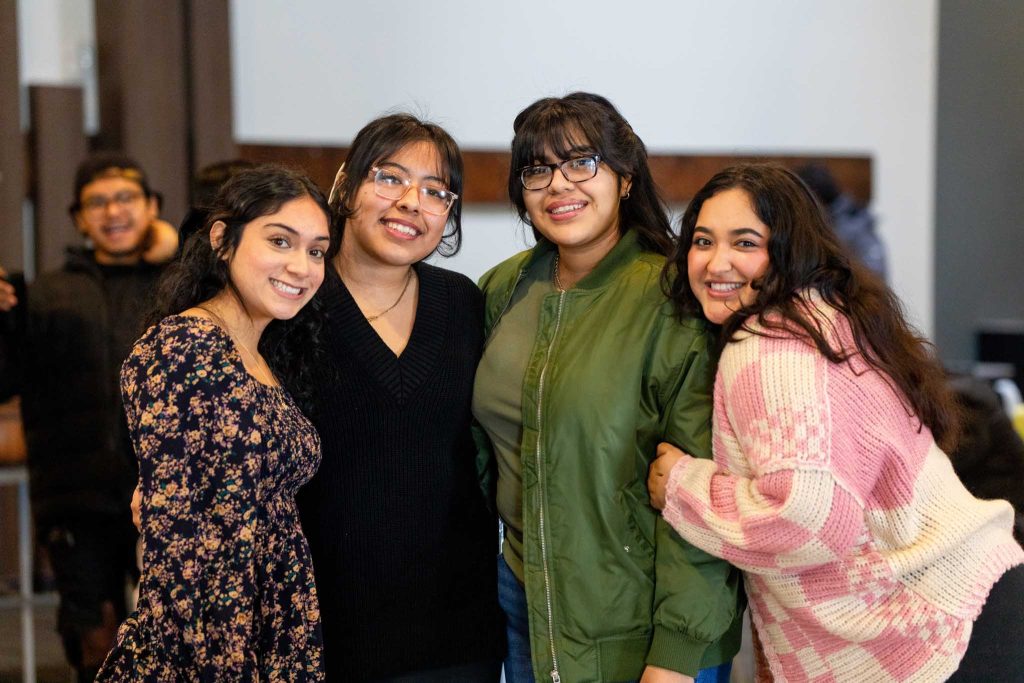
pixel 804 253
pixel 377 141
pixel 292 347
pixel 582 123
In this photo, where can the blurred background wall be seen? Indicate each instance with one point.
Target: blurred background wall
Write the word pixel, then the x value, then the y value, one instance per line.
pixel 738 76
pixel 930 90
pixel 979 189
pixel 733 76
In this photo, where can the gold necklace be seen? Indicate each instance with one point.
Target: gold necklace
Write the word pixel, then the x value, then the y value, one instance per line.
pixel 256 359
pixel 408 279
pixel 558 283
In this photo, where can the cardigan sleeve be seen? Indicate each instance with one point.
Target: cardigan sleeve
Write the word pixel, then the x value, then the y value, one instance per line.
pixel 781 505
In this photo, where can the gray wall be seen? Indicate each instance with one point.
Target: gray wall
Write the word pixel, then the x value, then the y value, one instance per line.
pixel 979 189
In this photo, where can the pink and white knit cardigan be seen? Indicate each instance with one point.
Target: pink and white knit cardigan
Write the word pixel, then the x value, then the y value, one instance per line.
pixel 865 558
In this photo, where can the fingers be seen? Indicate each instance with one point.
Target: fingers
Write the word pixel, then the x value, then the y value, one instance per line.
pixel 8 300
pixel 661 467
pixel 137 507
pixel 665 448
pixel 656 481
pixel 163 242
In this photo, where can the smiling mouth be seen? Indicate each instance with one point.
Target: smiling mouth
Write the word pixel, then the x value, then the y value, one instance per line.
pixel 566 208
pixel 401 228
pixel 286 288
pixel 724 287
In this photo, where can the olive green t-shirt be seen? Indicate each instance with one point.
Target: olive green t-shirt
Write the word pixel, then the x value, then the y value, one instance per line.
pixel 498 406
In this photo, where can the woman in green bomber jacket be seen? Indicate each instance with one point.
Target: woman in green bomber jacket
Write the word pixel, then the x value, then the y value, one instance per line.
pixel 584 371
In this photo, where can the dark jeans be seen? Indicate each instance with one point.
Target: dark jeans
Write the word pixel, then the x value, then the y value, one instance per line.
pixel 996 649
pixel 512 598
pixel 518 666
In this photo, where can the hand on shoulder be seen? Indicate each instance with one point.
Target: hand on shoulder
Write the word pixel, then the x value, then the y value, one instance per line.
pixel 161 242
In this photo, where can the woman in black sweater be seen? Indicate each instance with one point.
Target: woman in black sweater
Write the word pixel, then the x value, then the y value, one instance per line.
pixel 403 542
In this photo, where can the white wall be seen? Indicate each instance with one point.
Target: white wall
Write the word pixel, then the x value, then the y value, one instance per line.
pixel 827 76
pixel 57 46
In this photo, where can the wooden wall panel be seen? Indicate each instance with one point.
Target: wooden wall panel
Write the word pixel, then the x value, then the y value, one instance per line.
pixel 144 101
pixel 679 176
pixel 12 155
pixel 209 73
pixel 57 143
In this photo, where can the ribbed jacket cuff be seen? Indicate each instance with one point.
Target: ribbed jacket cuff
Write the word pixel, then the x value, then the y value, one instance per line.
pixel 676 651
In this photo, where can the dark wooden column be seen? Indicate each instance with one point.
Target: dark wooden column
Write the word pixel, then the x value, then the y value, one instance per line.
pixel 12 154
pixel 143 95
pixel 57 142
pixel 208 37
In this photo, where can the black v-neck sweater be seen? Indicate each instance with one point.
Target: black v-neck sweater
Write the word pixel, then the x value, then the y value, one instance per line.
pixel 403 544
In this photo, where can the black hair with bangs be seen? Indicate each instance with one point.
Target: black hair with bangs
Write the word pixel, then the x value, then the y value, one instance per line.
pixel 583 123
pixel 383 137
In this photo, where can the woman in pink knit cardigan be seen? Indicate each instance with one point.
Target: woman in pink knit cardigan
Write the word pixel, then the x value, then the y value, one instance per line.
pixel 865 558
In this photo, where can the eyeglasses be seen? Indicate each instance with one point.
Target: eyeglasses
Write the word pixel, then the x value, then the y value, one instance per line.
pixel 393 184
pixel 98 203
pixel 539 176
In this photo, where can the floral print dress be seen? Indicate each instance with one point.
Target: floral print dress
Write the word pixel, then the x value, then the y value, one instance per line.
pixel 227 586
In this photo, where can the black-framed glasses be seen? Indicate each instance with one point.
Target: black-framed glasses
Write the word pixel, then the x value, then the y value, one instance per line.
pixel 122 199
pixel 392 183
pixel 539 176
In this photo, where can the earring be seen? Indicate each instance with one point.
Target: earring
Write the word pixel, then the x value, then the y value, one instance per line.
pixel 337 182
pixel 625 196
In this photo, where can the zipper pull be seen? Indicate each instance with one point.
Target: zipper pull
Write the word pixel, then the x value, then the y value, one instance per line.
pixel 555 677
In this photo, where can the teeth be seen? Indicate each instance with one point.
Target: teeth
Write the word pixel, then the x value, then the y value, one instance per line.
pixel 404 229
pixel 567 208
pixel 724 286
pixel 287 289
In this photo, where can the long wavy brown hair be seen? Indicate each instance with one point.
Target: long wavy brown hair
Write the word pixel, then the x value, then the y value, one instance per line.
pixel 805 254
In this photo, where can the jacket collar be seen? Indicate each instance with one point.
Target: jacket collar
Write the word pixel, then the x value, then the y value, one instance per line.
pixel 621 255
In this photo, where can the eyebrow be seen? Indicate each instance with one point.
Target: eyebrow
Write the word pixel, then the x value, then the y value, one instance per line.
pixel 409 173
pixel 734 233
pixel 288 228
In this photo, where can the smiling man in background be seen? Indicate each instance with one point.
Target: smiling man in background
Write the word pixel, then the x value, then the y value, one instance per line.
pixel 81 322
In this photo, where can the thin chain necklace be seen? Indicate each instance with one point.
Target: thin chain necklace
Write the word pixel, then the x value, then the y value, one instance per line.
pixel 257 359
pixel 408 279
pixel 558 283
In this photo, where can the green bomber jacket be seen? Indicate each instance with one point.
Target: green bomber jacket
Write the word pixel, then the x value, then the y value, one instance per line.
pixel 610 586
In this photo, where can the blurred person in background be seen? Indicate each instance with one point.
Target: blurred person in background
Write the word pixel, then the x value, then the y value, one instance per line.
pixel 205 185
pixel 79 324
pixel 854 224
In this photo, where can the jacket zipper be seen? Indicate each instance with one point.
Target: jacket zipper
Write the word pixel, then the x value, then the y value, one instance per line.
pixel 555 676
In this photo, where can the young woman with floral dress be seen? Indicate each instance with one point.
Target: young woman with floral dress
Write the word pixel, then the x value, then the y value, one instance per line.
pixel 227 588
